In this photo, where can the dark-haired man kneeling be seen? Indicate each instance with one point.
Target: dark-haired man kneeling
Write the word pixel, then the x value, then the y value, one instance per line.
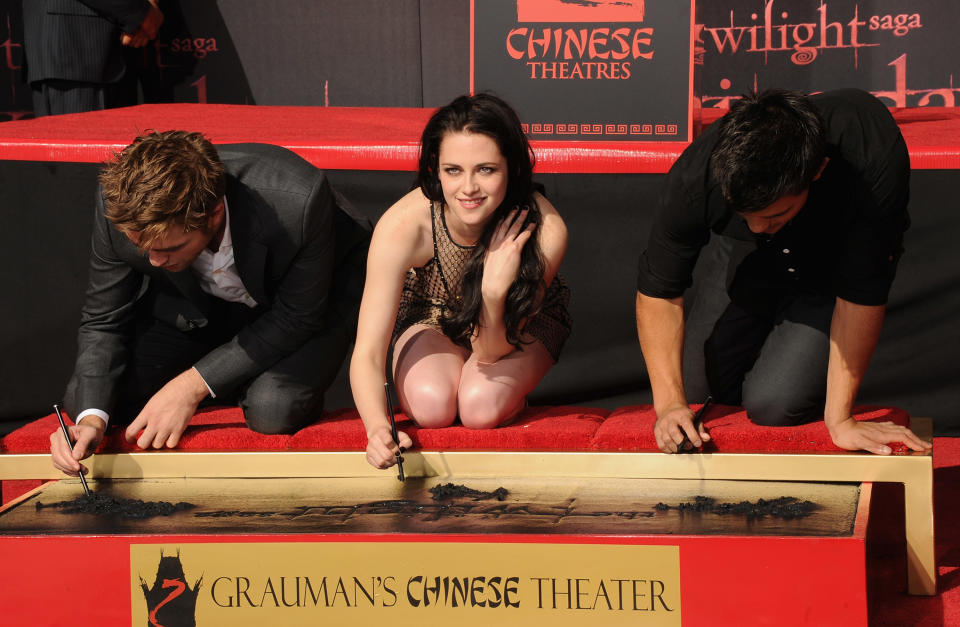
pixel 819 187
pixel 232 273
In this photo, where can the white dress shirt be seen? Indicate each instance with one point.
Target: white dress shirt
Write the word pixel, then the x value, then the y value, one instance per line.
pixel 217 274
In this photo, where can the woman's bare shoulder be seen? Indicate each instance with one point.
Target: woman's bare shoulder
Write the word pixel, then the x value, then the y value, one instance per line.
pixel 406 228
pixel 553 224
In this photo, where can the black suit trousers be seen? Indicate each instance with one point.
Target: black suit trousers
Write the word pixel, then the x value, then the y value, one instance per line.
pixel 285 397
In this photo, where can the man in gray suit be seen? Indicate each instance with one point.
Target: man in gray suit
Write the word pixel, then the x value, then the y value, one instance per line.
pixel 74 50
pixel 231 273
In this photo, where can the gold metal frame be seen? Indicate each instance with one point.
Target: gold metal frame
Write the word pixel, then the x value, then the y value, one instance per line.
pixel 914 471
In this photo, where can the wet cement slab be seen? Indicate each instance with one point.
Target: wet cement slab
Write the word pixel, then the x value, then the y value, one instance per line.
pixel 461 505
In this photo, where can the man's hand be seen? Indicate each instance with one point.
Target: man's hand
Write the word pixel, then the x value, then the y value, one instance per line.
pixel 382 450
pixel 138 39
pixel 853 435
pixel 147 30
pixel 86 438
pixel 672 423
pixel 166 415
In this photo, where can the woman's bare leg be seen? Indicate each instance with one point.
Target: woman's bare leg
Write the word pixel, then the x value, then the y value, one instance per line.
pixel 490 395
pixel 427 367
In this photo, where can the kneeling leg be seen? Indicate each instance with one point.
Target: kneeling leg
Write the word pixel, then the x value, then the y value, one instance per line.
pixel 491 395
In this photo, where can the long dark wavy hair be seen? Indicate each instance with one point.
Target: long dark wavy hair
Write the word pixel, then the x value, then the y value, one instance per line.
pixel 489 115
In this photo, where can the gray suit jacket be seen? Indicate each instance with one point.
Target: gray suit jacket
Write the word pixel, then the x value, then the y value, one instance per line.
pixel 78 40
pixel 290 233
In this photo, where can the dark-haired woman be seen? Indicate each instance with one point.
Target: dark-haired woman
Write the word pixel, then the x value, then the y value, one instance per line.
pixel 462 282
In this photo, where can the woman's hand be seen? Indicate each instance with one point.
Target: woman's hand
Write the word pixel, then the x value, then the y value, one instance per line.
pixel 502 261
pixel 382 450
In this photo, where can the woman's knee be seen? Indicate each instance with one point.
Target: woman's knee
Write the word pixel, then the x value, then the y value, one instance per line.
pixel 431 405
pixel 482 408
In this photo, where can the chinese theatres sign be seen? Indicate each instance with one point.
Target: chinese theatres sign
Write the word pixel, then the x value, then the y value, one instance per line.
pixel 610 70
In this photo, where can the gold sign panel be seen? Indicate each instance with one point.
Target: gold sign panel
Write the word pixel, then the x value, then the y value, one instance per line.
pixel 405 583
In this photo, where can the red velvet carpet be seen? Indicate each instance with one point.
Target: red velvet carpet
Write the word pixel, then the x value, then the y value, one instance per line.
pixel 550 428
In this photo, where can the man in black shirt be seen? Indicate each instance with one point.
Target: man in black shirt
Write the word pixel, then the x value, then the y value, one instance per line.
pixel 819 186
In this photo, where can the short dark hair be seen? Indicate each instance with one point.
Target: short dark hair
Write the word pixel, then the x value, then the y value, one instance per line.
pixel 771 145
pixel 163 180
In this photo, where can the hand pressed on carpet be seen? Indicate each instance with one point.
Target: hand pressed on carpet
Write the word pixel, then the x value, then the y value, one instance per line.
pixel 166 415
pixel 854 435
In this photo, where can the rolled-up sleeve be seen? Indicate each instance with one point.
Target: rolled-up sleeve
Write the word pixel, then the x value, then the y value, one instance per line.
pixel 872 248
pixel 679 232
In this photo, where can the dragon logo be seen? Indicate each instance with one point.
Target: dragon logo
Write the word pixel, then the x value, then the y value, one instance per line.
pixel 171 602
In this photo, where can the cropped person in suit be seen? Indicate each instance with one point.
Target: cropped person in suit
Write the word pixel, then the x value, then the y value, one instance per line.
pixel 232 273
pixel 817 189
pixel 74 50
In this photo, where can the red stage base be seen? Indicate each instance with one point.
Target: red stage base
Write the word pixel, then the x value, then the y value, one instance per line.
pixel 568 551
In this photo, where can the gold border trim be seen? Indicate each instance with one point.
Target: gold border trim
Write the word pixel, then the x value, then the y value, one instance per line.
pixel 914 471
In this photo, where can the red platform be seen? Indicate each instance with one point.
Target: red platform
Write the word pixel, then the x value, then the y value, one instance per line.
pixel 818 581
pixel 712 579
pixel 369 138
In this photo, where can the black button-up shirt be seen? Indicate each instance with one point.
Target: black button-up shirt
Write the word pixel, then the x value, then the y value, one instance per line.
pixel 845 241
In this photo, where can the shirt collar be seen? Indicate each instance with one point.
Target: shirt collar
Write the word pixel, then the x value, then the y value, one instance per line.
pixel 227 241
pixel 208 261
